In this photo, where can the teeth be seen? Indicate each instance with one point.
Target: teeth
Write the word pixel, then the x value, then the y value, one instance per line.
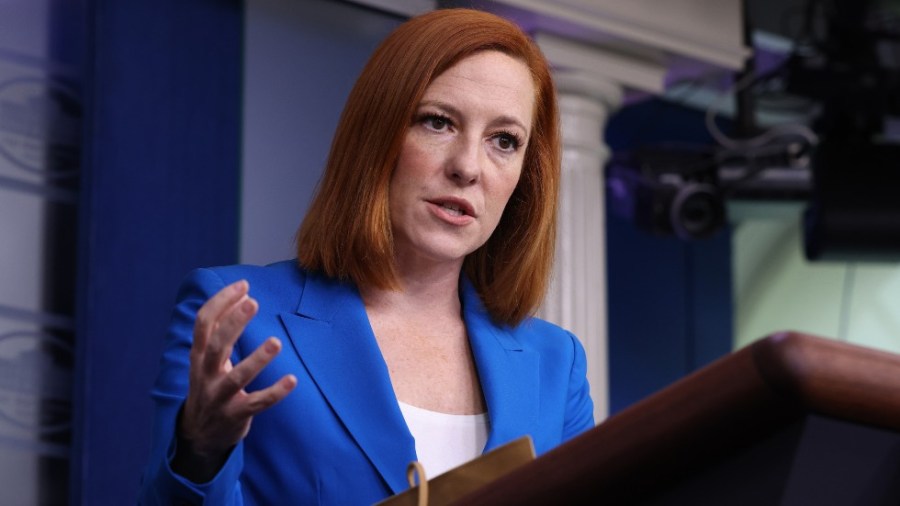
pixel 454 210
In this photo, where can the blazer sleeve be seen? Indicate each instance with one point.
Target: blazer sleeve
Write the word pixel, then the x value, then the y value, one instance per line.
pixel 159 484
pixel 579 406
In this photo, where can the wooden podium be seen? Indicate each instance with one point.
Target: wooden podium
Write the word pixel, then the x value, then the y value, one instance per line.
pixel 792 419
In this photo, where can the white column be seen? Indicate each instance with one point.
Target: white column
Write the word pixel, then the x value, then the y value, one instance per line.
pixel 577 296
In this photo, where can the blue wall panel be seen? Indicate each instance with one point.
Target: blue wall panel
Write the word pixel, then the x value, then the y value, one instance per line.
pixel 648 321
pixel 669 301
pixel 160 193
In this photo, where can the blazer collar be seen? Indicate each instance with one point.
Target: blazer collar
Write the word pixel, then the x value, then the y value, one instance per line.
pixel 331 333
pixel 333 338
pixel 509 374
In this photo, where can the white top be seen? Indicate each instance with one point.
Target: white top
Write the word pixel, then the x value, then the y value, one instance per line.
pixel 445 441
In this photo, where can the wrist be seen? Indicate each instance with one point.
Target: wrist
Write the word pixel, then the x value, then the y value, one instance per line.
pixel 197 466
pixel 196 462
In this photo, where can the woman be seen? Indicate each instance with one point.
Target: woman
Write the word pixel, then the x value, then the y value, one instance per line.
pixel 404 320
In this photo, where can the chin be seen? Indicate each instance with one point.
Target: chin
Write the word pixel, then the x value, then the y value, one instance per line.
pixel 442 250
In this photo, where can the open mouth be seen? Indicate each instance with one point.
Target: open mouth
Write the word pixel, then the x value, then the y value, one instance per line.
pixel 453 209
pixel 454 206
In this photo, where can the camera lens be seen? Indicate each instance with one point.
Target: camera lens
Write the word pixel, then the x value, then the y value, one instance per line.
pixel 697 211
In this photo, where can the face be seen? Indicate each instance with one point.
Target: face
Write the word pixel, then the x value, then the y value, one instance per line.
pixel 461 158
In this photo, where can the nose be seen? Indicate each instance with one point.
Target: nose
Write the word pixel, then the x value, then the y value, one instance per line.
pixel 464 164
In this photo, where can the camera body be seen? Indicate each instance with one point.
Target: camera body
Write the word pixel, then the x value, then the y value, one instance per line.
pixel 667 191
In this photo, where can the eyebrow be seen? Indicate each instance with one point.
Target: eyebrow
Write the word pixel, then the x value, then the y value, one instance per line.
pixel 500 120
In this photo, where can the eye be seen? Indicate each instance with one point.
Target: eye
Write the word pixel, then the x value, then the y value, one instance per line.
pixel 507 141
pixel 436 122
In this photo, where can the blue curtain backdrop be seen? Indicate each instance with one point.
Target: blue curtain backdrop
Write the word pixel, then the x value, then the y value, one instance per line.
pixel 160 194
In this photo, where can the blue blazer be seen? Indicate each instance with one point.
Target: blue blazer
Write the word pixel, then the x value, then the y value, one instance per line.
pixel 339 437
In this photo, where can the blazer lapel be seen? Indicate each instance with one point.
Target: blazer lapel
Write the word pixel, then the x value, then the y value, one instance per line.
pixel 331 333
pixel 509 375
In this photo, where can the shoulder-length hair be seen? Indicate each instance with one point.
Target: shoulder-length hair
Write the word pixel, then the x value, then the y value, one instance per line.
pixel 347 231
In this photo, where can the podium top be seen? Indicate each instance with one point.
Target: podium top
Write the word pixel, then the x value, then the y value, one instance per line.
pixel 726 405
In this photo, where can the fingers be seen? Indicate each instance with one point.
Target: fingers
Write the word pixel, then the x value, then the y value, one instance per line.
pixel 260 400
pixel 244 372
pixel 211 311
pixel 217 411
pixel 249 404
pixel 219 323
pixel 229 327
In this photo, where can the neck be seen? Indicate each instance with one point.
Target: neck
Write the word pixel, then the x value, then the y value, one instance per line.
pixel 426 291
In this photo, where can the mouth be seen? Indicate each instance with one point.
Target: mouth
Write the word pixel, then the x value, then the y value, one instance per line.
pixel 454 206
pixel 453 209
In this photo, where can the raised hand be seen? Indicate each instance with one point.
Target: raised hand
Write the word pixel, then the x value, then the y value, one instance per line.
pixel 218 410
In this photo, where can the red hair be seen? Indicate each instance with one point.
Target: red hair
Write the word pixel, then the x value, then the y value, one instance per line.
pixel 347 231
